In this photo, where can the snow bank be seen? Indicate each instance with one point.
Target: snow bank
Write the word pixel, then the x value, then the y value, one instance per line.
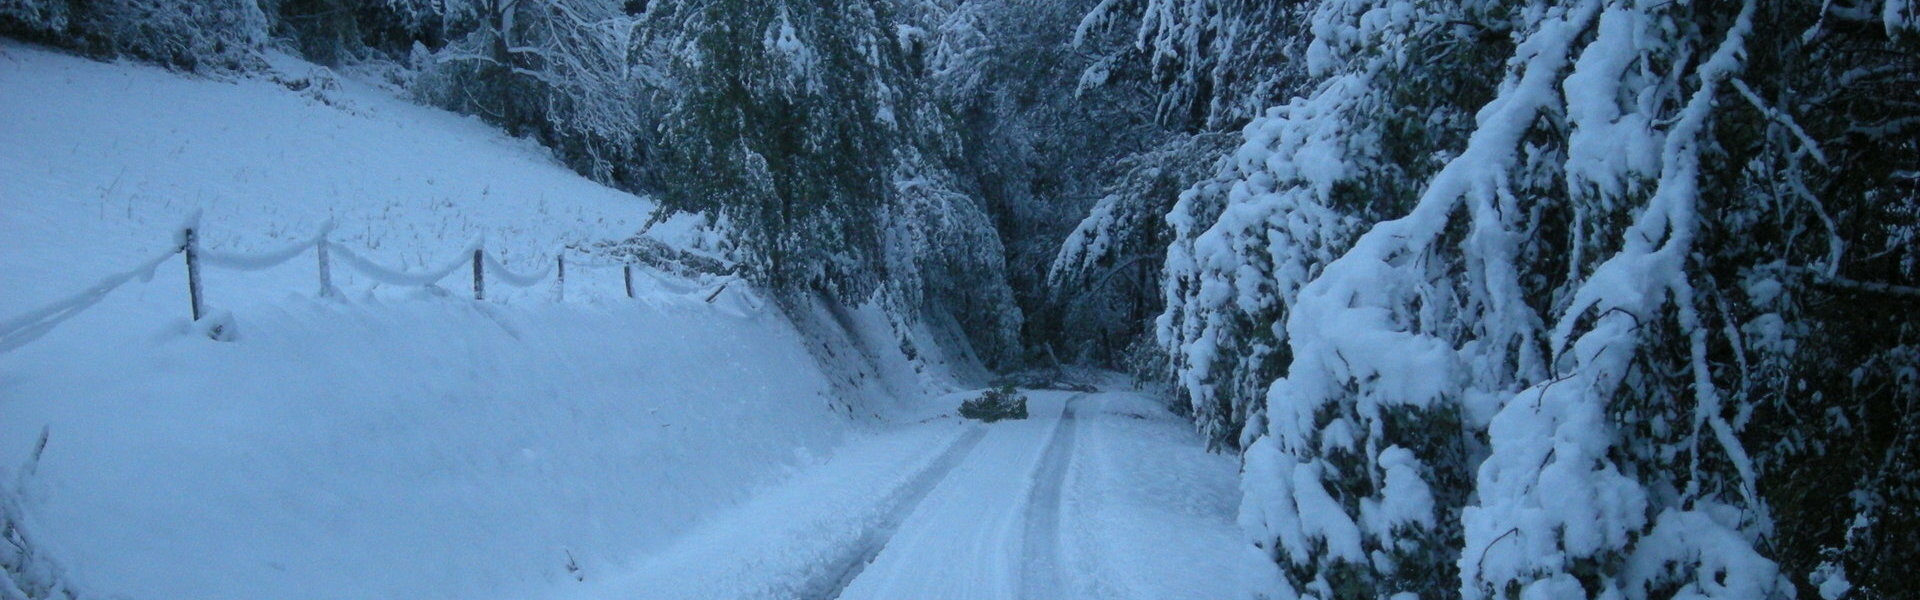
pixel 1148 509
pixel 429 448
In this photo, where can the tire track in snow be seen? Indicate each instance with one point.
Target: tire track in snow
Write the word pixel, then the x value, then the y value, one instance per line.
pixel 1041 577
pixel 841 573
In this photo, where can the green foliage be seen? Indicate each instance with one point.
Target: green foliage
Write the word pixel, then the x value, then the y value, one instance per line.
pixel 1822 194
pixel 1003 402
pixel 1040 145
pixel 808 127
pixel 1103 287
pixel 770 120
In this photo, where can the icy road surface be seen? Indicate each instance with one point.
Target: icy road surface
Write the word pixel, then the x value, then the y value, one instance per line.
pixel 1100 495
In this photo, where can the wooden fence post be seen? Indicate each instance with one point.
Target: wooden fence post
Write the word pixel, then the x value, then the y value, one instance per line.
pixel 326 270
pixel 627 272
pixel 190 246
pixel 479 276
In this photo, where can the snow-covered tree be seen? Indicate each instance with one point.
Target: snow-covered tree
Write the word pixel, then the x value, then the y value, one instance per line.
pixel 206 36
pixel 1540 282
pixel 770 116
pixel 1105 280
pixel 556 70
pixel 341 32
pixel 810 127
pixel 1805 276
pixel 1215 62
pixel 1038 149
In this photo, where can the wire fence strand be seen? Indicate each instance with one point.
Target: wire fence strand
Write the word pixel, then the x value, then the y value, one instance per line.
pixel 17 331
pixel 27 327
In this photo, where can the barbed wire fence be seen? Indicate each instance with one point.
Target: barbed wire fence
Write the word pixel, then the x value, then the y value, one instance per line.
pixel 25 328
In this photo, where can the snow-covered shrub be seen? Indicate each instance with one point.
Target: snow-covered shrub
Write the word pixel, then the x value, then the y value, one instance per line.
pixel 995 404
pixel 35 17
pixel 338 32
pixel 206 35
pixel 1396 345
pixel 1292 196
pixel 26 572
pixel 1805 259
pixel 1702 326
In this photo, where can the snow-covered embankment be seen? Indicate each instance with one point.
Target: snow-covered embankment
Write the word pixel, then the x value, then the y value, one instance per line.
pixel 386 443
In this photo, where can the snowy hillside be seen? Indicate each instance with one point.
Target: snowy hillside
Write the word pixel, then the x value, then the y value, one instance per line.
pixel 394 442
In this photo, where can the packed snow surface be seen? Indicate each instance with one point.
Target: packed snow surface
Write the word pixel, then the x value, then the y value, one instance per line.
pixel 1101 495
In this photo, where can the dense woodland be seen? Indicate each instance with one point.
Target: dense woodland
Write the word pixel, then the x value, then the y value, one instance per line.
pixel 1546 299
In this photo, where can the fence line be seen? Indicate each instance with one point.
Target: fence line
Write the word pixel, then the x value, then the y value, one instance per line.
pixel 23 329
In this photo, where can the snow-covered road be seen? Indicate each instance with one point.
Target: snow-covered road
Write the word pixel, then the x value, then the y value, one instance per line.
pixel 991 527
pixel 1100 495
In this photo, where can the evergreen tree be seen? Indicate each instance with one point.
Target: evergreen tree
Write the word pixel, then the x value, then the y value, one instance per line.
pixel 770 119
pixel 1040 145
pixel 808 127
pixel 1555 284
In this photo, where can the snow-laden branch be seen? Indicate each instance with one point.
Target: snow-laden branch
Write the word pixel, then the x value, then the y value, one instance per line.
pixel 1823 278
pixel 1550 488
pixel 1782 118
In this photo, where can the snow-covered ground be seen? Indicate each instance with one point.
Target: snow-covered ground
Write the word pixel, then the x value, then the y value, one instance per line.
pixel 100 162
pixel 395 442
pixel 409 442
pixel 1099 495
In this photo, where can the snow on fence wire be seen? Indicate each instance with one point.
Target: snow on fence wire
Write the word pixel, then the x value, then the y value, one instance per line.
pixel 20 330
